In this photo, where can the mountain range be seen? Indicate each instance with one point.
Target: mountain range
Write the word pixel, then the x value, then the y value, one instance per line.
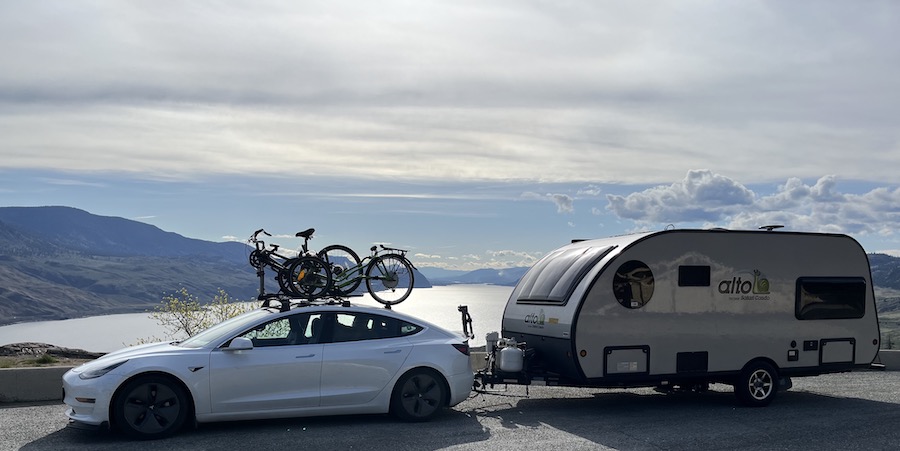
pixel 62 262
pixel 507 277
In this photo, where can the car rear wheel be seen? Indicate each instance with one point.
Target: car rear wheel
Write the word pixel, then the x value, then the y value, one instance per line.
pixel 419 395
pixel 151 407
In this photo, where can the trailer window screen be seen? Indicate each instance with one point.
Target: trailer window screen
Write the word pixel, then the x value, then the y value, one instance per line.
pixel 554 277
pixel 693 276
pixel 830 298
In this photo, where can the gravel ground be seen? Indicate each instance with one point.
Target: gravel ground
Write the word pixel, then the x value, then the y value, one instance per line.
pixel 844 411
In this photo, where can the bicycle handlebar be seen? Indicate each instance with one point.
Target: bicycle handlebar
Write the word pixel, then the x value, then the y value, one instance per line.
pixel 253 237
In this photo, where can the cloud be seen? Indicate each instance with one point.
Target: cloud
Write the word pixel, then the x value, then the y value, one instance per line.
pixel 510 259
pixel 700 196
pixel 590 191
pixel 716 200
pixel 428 256
pixel 72 182
pixel 564 202
pixel 443 91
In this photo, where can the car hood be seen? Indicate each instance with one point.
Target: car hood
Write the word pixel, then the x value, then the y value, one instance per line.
pixel 143 350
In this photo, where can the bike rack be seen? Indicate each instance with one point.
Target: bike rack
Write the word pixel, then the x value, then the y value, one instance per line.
pixel 468 331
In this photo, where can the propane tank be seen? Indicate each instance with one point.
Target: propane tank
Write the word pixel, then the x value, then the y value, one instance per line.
pixel 511 357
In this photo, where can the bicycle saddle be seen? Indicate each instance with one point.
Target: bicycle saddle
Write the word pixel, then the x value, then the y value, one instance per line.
pixel 308 233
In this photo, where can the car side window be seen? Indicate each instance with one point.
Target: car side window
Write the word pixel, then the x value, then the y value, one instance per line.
pixel 290 330
pixel 364 326
pixel 312 329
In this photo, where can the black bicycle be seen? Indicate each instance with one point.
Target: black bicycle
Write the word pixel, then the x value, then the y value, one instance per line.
pixel 305 276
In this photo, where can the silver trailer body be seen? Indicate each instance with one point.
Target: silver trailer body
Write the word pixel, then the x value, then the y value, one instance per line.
pixel 696 306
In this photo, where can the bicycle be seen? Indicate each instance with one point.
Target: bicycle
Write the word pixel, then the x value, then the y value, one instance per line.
pixel 389 277
pixel 302 276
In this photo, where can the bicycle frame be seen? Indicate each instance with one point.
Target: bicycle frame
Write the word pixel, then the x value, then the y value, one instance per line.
pixel 342 280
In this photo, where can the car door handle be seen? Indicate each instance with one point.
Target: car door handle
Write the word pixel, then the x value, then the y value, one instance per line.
pixel 393 352
pixel 305 356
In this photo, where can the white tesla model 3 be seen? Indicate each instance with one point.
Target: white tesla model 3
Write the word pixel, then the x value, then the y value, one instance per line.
pixel 308 360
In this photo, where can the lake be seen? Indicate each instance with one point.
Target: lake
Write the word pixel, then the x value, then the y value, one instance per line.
pixel 107 333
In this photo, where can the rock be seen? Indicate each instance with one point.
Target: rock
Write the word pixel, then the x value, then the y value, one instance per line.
pixel 39 349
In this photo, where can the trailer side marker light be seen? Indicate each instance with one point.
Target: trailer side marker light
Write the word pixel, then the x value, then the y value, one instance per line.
pixel 583 353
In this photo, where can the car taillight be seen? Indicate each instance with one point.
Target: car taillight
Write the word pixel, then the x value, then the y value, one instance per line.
pixel 462 347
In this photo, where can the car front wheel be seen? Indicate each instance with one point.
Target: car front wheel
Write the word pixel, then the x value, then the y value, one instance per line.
pixel 150 407
pixel 419 395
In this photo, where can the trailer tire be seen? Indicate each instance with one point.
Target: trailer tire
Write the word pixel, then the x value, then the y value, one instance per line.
pixel 757 385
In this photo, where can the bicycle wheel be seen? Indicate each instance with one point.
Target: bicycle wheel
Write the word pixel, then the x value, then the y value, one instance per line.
pixel 309 277
pixel 389 278
pixel 346 269
pixel 283 276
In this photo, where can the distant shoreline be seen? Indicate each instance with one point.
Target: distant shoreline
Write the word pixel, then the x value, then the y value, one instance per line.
pixel 50 317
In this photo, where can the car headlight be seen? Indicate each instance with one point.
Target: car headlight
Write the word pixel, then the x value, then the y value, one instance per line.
pixel 95 373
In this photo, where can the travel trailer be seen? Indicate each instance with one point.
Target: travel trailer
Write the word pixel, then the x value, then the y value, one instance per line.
pixel 680 309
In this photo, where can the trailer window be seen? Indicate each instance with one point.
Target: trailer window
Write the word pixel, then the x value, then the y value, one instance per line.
pixel 554 277
pixel 693 276
pixel 633 284
pixel 830 298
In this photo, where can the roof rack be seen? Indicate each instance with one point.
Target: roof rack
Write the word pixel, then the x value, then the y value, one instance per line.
pixel 285 303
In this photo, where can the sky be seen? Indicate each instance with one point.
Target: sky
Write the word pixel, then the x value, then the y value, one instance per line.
pixel 473 133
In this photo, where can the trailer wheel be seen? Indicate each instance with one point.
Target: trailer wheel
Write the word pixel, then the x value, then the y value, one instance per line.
pixel 757 385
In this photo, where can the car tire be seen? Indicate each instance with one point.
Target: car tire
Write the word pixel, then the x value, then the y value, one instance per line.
pixel 419 395
pixel 150 407
pixel 757 385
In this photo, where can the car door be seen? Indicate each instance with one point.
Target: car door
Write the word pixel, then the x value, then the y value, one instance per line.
pixel 363 355
pixel 282 371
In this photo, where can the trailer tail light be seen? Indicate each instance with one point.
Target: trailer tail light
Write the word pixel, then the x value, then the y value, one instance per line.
pixel 462 347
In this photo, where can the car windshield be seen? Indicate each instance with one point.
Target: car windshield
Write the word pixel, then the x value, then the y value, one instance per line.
pixel 216 332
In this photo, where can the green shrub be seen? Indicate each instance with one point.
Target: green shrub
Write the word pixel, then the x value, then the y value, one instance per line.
pixel 44 359
pixel 182 314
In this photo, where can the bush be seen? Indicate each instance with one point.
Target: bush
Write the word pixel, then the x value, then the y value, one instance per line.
pixel 44 359
pixel 182 314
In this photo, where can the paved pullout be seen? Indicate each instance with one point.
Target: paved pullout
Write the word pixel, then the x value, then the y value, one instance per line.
pixel 840 411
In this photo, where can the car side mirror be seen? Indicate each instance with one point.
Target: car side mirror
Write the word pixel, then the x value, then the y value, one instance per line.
pixel 240 344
